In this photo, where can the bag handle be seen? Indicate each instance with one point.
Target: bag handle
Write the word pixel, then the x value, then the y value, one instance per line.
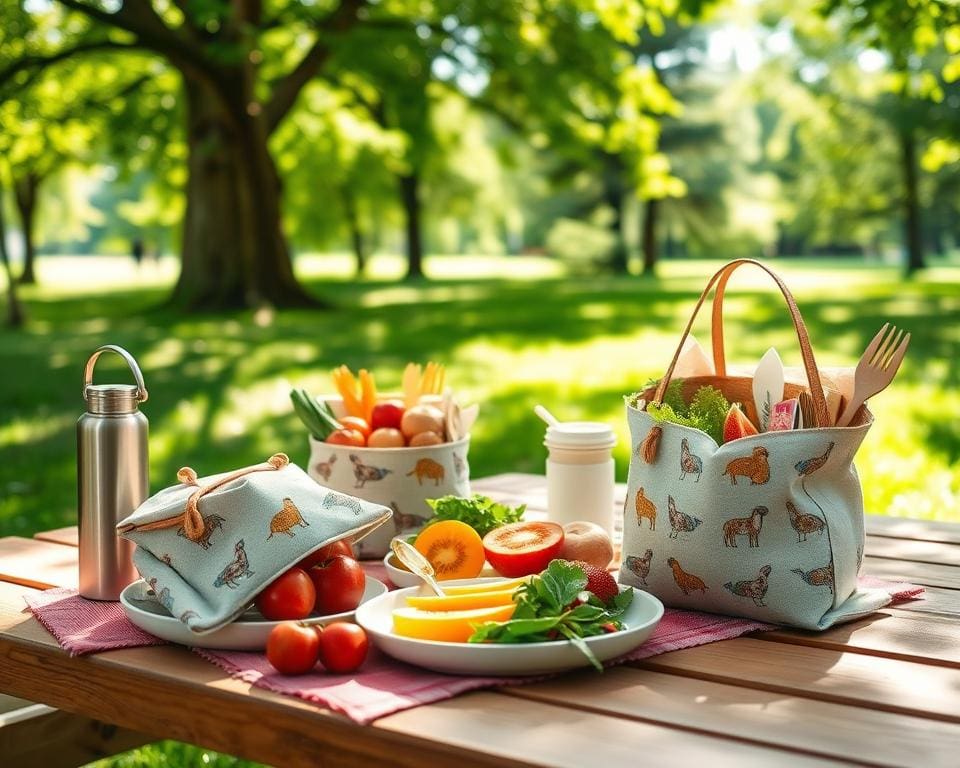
pixel 720 279
pixel 190 518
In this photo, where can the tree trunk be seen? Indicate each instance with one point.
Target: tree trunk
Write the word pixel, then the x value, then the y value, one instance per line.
pixel 613 197
pixel 648 237
pixel 912 231
pixel 357 239
pixel 25 194
pixel 234 251
pixel 410 197
pixel 15 313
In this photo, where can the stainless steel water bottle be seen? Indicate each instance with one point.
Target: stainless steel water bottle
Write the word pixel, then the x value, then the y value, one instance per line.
pixel 112 477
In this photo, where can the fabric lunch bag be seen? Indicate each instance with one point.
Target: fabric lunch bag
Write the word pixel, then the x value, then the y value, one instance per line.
pixel 208 546
pixel 768 526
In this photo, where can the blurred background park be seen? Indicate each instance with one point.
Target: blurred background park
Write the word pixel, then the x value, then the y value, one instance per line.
pixel 246 194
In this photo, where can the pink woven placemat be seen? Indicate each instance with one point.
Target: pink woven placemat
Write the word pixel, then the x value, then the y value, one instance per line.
pixel 383 685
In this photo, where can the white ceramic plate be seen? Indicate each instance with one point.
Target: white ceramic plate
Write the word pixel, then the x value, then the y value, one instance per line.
pixel 401 577
pixel 491 659
pixel 248 633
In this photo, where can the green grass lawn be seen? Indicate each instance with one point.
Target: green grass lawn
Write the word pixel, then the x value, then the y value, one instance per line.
pixel 218 383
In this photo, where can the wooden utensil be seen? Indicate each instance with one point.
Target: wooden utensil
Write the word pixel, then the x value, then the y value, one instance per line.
pixel 876 369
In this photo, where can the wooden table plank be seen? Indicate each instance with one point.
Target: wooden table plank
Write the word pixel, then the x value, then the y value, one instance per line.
pixel 69 536
pixel 927 574
pixel 38 564
pixel 845 678
pixel 891 633
pixel 229 715
pixel 936 600
pixel 935 552
pixel 816 727
pixel 918 530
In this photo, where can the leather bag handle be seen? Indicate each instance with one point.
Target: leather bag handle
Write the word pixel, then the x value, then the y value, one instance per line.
pixel 720 279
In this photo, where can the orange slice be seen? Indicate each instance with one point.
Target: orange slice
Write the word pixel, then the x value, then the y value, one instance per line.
pixel 492 586
pixel 445 626
pixel 462 602
pixel 453 548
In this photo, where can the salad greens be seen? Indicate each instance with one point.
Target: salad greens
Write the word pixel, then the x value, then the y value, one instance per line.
pixel 481 513
pixel 707 410
pixel 554 605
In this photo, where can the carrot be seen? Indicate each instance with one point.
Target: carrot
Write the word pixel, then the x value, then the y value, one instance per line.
pixel 346 384
pixel 368 390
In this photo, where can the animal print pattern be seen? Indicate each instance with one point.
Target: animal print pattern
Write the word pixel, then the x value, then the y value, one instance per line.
pixel 162 595
pixel 645 510
pixel 639 566
pixel 689 463
pixel 686 581
pixel 755 589
pixel 211 523
pixel 744 526
pixel 680 522
pixel 365 473
pixel 236 569
pixel 325 468
pixel 818 577
pixel 286 518
pixel 459 465
pixel 809 466
pixel 403 521
pixel 804 524
pixel 334 499
pixel 429 469
pixel 754 467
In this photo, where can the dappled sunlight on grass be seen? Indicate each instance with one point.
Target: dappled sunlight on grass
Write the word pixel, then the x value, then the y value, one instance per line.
pixel 219 383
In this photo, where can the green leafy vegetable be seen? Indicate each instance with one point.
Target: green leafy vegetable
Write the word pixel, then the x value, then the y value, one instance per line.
pixel 551 606
pixel 481 513
pixel 707 409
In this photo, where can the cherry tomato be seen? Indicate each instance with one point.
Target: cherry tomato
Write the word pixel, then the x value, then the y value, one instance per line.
pixel 346 437
pixel 323 554
pixel 339 584
pixel 292 649
pixel 343 647
pixel 387 414
pixel 289 596
pixel 356 423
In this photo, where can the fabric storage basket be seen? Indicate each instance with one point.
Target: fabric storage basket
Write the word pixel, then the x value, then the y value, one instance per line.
pixel 209 545
pixel 768 526
pixel 399 478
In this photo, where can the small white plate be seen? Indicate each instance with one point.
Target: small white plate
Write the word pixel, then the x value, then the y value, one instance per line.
pixel 376 617
pixel 247 633
pixel 401 577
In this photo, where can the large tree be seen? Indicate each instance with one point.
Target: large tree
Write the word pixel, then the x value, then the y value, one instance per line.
pixel 242 65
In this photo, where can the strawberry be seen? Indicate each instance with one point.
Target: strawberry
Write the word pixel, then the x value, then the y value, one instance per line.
pixel 599 581
pixel 736 425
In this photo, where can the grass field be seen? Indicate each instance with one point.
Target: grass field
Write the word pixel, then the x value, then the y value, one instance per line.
pixel 512 332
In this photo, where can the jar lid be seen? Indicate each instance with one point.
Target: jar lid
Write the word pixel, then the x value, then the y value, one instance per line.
pixel 580 434
pixel 104 399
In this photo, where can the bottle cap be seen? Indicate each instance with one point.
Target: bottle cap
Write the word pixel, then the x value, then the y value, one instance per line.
pixel 580 434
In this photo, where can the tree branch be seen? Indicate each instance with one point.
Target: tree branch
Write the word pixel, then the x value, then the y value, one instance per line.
pixel 39 63
pixel 288 88
pixel 139 18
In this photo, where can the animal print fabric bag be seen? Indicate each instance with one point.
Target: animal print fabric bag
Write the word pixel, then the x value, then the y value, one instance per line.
pixel 208 546
pixel 769 526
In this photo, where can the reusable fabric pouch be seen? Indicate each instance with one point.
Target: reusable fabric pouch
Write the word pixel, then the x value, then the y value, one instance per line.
pixel 209 545
pixel 769 526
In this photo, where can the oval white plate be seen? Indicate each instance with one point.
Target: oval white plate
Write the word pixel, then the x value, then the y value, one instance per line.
pixel 376 617
pixel 401 577
pixel 248 633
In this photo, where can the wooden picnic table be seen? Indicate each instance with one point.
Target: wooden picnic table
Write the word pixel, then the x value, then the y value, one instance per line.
pixel 884 690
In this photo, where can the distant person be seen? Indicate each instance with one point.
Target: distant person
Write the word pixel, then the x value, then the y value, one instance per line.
pixel 138 251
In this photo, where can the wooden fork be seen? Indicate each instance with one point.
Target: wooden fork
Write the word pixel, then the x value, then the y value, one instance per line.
pixel 876 369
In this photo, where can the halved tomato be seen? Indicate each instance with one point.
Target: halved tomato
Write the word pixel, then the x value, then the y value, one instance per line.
pixel 519 549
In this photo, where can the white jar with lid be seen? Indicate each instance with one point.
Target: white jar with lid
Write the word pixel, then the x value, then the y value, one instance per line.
pixel 580 476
